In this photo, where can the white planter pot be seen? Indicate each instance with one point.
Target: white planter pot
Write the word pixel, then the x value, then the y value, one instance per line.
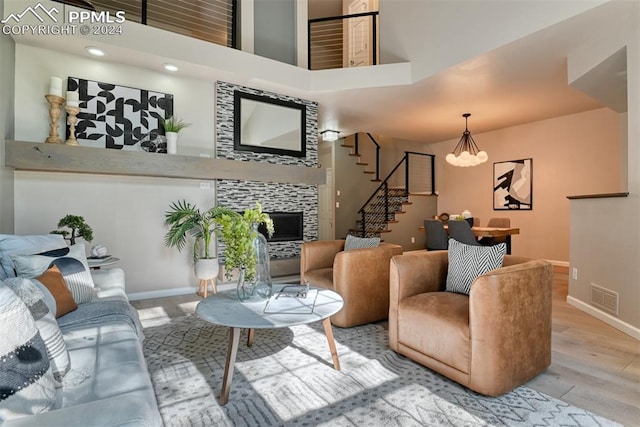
pixel 172 142
pixel 206 268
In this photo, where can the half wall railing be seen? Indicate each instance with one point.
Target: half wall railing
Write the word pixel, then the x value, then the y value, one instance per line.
pixel 343 41
pixel 212 20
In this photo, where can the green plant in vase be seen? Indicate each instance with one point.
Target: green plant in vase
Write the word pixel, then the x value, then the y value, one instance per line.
pixel 246 250
pixel 173 124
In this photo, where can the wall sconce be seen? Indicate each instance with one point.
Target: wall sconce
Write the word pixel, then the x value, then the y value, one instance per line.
pixel 329 135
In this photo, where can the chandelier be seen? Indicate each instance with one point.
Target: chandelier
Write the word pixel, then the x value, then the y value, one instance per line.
pixel 466 152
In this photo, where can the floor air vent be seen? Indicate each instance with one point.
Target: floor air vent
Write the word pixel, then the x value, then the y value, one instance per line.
pixel 604 299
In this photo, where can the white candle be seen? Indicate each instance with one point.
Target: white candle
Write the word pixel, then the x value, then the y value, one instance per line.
pixel 72 99
pixel 55 86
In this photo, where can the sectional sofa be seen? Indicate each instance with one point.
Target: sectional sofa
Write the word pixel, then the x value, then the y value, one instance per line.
pixel 106 382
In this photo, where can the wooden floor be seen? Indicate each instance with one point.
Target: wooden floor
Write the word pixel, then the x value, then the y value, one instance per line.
pixel 594 366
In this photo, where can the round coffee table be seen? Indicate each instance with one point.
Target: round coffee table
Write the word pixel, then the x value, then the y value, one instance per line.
pixel 225 309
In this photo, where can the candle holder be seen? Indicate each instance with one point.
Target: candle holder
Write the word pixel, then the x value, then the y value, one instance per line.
pixel 55 102
pixel 72 119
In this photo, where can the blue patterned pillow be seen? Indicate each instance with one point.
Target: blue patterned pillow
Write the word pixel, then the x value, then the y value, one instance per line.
pixel 466 262
pixel 26 382
pixel 72 263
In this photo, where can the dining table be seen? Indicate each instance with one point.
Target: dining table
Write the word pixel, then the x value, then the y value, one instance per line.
pixel 490 232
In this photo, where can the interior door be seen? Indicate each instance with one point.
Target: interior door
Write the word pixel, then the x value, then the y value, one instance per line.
pixel 358 43
pixel 326 229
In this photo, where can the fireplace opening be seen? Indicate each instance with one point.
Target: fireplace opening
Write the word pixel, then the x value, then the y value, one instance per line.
pixel 288 226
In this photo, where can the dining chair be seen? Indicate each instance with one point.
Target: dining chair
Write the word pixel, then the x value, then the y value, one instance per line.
pixel 461 231
pixel 437 238
pixel 499 223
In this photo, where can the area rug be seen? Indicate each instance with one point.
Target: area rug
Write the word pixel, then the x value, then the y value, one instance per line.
pixel 287 379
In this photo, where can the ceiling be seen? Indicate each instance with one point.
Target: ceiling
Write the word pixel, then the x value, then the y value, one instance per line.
pixel 524 81
pixel 521 82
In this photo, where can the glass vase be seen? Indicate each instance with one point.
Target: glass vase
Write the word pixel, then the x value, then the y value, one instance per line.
pixel 260 286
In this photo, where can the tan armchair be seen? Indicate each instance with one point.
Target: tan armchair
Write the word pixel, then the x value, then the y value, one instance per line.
pixel 360 276
pixel 491 341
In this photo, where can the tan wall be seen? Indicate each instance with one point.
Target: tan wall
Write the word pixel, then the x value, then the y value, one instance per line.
pixel 354 185
pixel 406 232
pixel 575 154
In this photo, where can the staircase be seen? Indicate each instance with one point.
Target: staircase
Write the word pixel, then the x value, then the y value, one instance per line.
pixel 381 211
pixel 414 172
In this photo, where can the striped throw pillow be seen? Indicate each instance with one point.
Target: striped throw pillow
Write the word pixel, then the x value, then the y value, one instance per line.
pixel 466 262
pixel 27 386
pixel 46 323
pixel 72 262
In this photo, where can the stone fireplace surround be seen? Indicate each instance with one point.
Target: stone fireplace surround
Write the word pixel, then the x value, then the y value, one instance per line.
pixel 274 197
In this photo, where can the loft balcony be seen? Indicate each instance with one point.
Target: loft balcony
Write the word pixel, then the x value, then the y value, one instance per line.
pixel 344 41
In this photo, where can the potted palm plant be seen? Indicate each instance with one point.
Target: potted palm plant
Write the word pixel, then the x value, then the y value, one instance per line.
pixel 171 128
pixel 185 219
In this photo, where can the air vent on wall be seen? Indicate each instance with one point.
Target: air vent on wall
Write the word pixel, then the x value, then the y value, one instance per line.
pixel 604 298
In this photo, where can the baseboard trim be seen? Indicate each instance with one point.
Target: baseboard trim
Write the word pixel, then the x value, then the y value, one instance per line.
pixel 605 317
pixel 161 294
pixel 559 263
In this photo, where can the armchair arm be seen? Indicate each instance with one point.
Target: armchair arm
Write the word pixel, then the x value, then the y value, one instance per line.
pixel 510 326
pixel 411 274
pixel 319 254
pixel 110 281
pixel 361 277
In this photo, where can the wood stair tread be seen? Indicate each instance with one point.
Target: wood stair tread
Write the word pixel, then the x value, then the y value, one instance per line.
pixel 362 164
pixel 369 172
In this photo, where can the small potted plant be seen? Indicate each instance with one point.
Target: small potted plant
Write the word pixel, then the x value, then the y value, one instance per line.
pixel 185 219
pixel 171 127
pixel 78 226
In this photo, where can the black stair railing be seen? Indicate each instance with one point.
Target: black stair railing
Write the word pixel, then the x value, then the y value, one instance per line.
pixel 417 175
pixel 356 148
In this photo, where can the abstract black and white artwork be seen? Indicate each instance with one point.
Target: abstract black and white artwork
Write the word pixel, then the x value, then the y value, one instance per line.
pixel 513 185
pixel 119 117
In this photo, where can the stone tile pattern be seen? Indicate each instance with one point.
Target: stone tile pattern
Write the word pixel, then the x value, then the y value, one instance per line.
pixel 224 128
pixel 274 197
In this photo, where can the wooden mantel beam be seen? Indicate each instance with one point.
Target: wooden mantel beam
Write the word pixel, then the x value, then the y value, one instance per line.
pixel 34 156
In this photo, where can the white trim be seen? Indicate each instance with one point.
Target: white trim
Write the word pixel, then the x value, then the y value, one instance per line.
pixel 605 317
pixel 559 263
pixel 161 294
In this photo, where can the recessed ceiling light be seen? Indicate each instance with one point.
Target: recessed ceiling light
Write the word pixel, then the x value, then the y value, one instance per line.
pixel 170 67
pixel 95 51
